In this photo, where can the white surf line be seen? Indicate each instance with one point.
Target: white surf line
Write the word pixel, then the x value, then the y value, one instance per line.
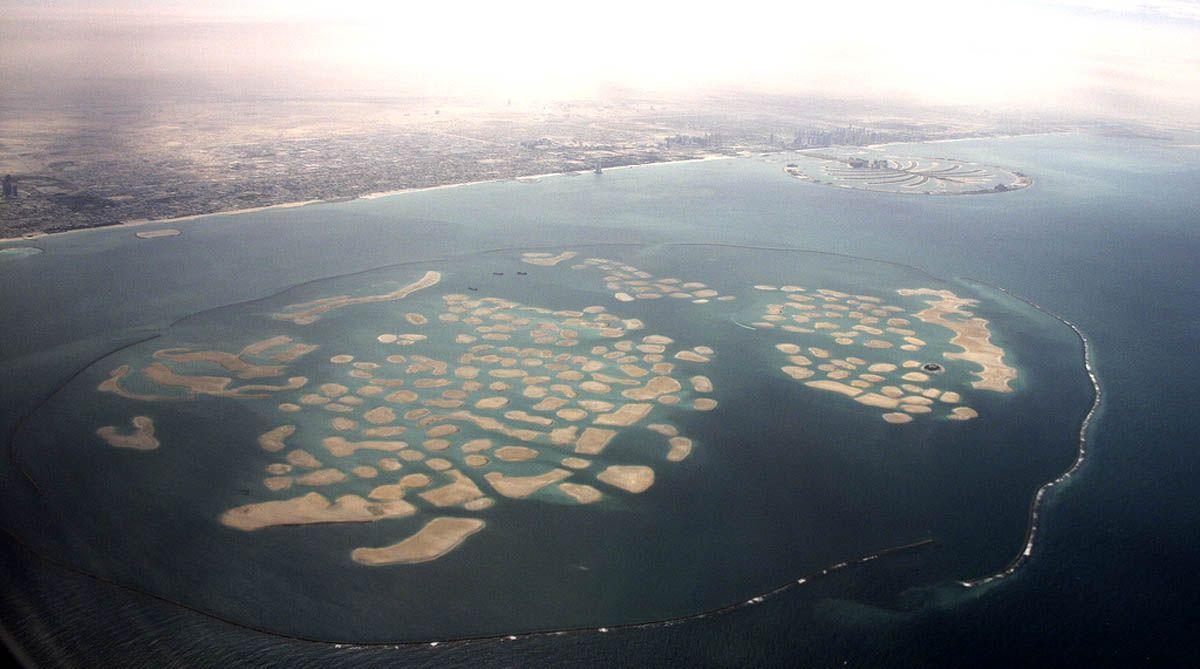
pixel 1040 495
pixel 742 325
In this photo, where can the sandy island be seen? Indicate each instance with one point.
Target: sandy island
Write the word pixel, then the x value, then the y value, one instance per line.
pixel 154 234
pixel 141 439
pixel 437 538
pixel 310 312
pixel 971 334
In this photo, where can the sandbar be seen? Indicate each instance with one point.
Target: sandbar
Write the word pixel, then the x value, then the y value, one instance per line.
pixel 962 413
pixel 580 492
pixel 154 234
pixel 460 491
pixel 631 478
pixel 313 508
pixel 626 415
pixel 834 386
pixel 681 447
pixel 546 259
pixel 437 538
pixel 971 334
pixel 515 453
pixel 326 476
pixel 519 487
pixel 301 316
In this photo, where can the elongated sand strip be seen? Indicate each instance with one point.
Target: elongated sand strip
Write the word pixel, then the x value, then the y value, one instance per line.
pixel 155 234
pixel 519 487
pixel 581 492
pixel 313 313
pixel 834 386
pixel 546 259
pixel 971 334
pixel 437 538
pixel 342 447
pixel 313 508
pixel 625 415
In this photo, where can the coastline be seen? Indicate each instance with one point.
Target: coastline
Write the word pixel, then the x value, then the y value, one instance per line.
pixel 970 139
pixel 530 178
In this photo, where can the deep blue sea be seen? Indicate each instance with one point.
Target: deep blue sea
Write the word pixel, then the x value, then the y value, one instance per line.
pixel 1107 238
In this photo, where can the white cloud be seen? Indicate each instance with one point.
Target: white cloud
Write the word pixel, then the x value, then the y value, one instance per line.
pixel 1093 56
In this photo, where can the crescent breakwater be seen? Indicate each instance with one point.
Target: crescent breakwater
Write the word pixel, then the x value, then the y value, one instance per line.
pixel 1039 497
pixel 721 610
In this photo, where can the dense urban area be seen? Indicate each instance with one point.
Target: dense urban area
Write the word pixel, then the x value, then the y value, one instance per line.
pixel 95 165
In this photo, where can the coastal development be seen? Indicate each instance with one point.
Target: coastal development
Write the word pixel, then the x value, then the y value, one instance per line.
pixel 108 165
pixel 876 170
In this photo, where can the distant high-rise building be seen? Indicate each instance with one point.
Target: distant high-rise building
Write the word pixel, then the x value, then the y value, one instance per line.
pixel 598 169
pixel 10 187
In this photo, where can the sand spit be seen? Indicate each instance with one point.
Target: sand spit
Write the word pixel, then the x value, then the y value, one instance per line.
pixel 141 439
pixel 155 234
pixel 546 259
pixel 313 508
pixel 971 334
pixel 310 312
pixel 437 538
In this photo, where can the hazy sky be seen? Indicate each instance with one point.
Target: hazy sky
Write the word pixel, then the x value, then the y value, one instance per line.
pixel 1138 59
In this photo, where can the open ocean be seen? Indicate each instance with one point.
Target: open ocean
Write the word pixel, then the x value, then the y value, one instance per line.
pixel 1107 238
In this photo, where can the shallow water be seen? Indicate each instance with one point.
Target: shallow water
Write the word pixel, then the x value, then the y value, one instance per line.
pixel 1091 240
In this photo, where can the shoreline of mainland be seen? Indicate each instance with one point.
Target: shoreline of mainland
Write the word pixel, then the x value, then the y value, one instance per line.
pixel 528 178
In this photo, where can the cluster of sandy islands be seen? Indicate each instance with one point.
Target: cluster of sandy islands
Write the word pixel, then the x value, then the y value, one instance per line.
pixel 430 431
pixel 493 399
pixel 856 328
pixel 628 283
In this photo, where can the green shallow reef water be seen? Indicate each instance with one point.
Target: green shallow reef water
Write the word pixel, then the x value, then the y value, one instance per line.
pixel 587 436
